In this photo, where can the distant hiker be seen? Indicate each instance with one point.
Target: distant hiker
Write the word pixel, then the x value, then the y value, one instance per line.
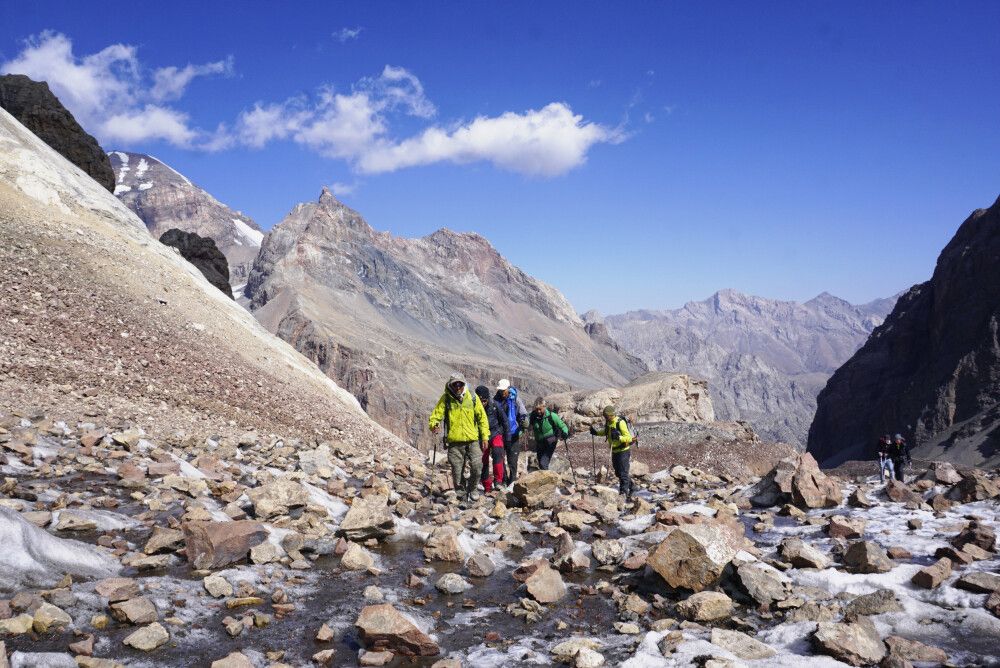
pixel 548 429
pixel 465 426
pixel 619 437
pixel 517 417
pixel 496 415
pixel 885 465
pixel 899 454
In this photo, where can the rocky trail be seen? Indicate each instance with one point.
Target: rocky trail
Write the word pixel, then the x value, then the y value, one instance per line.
pixel 125 550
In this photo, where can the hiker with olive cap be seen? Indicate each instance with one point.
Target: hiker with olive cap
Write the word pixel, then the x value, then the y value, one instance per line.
pixel 466 431
pixel 548 429
pixel 615 429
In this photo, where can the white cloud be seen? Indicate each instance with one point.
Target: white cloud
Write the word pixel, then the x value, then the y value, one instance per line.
pixel 109 92
pixel 355 127
pixel 347 34
pixel 340 189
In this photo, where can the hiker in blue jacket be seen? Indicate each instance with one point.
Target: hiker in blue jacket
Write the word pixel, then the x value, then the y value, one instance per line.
pixel 517 418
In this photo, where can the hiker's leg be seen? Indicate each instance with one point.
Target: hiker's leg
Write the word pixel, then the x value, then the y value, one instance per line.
pixel 898 465
pixel 455 461
pixel 498 456
pixel 485 477
pixel 616 465
pixel 513 452
pixel 475 457
pixel 544 454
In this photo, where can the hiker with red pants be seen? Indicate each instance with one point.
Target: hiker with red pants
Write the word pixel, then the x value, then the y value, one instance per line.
pixel 499 435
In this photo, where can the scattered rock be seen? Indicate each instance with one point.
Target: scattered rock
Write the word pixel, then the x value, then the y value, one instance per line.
pixel 233 660
pixel 857 643
pixel 48 617
pixel 135 611
pixel 741 645
pixel 148 638
pixel 382 627
pixel 480 565
pixel 368 517
pixel 802 555
pixel 914 650
pixel 841 526
pixel 706 606
pixel 452 583
pixel 876 603
pixel 930 577
pixel 867 556
pixel 607 551
pixel 545 585
pixel 217 586
pixel 536 488
pixel 216 544
pixel 694 556
pixel 763 583
pixel 357 558
pixel 979 582
pixel 442 544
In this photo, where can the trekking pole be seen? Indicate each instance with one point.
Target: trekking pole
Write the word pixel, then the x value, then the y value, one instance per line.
pixel 569 456
pixel 593 451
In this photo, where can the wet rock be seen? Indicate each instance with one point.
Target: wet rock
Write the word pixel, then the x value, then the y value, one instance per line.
pixel 867 556
pixel 135 611
pixel 452 583
pixel 216 544
pixel 117 589
pixel 572 520
pixel 579 652
pixel 16 625
pixel 841 526
pixel 875 603
pixel 442 544
pixel 357 558
pixel 979 582
pixel 163 540
pixel 217 586
pixel 480 565
pixel 148 638
pixel 277 497
pixel 366 658
pixel 940 503
pixel 741 645
pixel 368 517
pixel 233 660
pixel 765 584
pixel 914 650
pixel 974 486
pixel 857 643
pixel 930 577
pixel 705 606
pixel 693 557
pixel 608 551
pixel 266 553
pixel 980 535
pixel 992 604
pixel 49 617
pixel 802 555
pixel 382 627
pixel 545 585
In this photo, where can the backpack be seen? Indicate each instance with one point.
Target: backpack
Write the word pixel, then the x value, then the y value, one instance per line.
pixel 629 427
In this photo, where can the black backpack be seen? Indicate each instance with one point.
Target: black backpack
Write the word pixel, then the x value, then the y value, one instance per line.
pixel 629 427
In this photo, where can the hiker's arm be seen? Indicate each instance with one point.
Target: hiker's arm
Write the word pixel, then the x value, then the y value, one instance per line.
pixel 482 422
pixel 599 431
pixel 562 425
pixel 504 424
pixel 437 415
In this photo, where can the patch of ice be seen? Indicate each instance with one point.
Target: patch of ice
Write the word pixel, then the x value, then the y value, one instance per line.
pixel 525 652
pixel 335 508
pixel 104 519
pixel 119 189
pixel 42 660
pixel 255 237
pixel 408 530
pixel 188 470
pixel 141 168
pixel 145 186
pixel 34 558
pixel 694 509
pixel 637 524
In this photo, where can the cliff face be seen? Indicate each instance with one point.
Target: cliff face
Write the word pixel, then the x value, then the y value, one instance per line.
pixel 36 108
pixel 165 199
pixel 390 318
pixel 203 254
pixel 765 360
pixel 932 370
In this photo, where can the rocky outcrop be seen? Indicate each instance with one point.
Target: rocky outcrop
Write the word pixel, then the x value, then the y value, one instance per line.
pixel 388 317
pixel 655 397
pixel 932 370
pixel 797 480
pixel 36 108
pixel 765 360
pixel 203 254
pixel 165 199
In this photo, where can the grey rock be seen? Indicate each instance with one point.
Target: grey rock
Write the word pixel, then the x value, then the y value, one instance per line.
pixel 203 254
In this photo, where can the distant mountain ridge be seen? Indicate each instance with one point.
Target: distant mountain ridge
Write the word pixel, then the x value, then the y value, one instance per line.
pixel 389 318
pixel 765 360
pixel 165 199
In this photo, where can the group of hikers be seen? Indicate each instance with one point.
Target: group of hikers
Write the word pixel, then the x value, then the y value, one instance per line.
pixel 893 454
pixel 484 432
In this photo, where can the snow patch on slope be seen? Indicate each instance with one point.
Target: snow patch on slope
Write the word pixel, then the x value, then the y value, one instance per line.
pixel 255 237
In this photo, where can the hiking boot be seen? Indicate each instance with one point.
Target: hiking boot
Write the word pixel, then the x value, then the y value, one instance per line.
pixel 474 496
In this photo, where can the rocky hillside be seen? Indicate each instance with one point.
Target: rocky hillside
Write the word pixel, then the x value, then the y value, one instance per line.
pixel 36 108
pixel 765 360
pixel 389 318
pixel 100 320
pixel 165 199
pixel 932 370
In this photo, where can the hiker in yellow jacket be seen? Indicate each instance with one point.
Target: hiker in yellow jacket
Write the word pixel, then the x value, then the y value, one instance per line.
pixel 616 430
pixel 466 431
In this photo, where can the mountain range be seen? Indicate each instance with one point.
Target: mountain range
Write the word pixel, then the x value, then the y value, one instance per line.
pixel 765 360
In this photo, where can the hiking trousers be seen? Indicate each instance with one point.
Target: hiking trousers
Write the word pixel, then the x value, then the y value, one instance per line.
pixel 513 448
pixel 460 455
pixel 887 467
pixel 545 450
pixel 897 463
pixel 621 461
pixel 494 476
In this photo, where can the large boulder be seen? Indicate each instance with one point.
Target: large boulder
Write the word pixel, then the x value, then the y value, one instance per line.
pixel 442 545
pixel 801 554
pixel 536 488
pixel 799 481
pixel 865 556
pixel 277 497
pixel 217 544
pixel 545 585
pixel 763 583
pixel 203 254
pixel 36 108
pixel 857 643
pixel 369 517
pixel 694 556
pixel 382 627
pixel 974 486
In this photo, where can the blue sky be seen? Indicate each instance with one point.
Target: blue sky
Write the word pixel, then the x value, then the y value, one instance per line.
pixel 635 155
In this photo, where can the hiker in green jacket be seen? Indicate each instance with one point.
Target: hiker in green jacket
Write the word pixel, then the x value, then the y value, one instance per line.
pixel 548 428
pixel 616 431
pixel 466 431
